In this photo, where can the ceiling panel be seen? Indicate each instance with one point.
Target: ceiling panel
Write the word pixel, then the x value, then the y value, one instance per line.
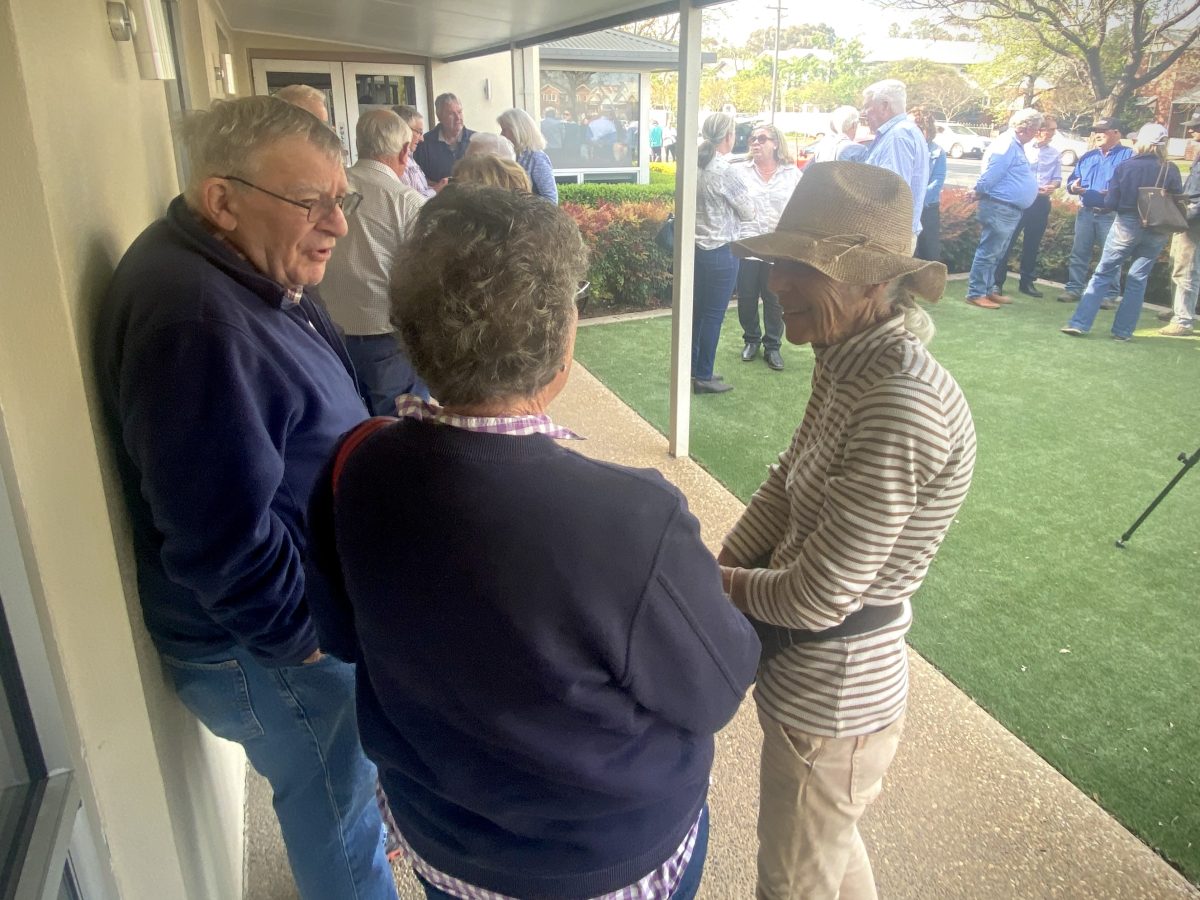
pixel 441 29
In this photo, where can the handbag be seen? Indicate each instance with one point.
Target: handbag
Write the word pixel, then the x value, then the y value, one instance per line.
pixel 1160 211
pixel 666 235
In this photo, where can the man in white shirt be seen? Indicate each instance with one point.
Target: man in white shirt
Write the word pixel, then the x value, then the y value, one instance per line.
pixel 357 278
pixel 899 145
pixel 1046 163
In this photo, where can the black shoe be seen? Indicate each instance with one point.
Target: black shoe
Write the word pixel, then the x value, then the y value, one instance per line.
pixel 749 352
pixel 774 360
pixel 712 386
pixel 1030 291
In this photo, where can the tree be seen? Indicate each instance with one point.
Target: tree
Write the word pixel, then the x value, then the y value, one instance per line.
pixel 940 87
pixel 762 40
pixel 1121 45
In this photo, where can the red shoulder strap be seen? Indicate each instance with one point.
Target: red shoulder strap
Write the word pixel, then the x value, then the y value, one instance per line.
pixel 350 443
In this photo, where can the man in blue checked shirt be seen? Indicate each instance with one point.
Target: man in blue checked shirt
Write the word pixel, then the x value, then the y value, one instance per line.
pixel 1089 181
pixel 899 145
pixel 1005 190
pixel 1046 163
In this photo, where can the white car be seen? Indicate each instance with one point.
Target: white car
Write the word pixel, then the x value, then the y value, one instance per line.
pixel 960 140
pixel 1072 146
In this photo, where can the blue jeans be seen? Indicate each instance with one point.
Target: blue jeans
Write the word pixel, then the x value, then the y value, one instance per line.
pixel 716 273
pixel 997 221
pixel 688 885
pixel 1126 239
pixel 752 284
pixel 298 727
pixel 383 371
pixel 1091 230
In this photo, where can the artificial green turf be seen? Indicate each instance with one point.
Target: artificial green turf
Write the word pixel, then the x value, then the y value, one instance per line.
pixel 1086 652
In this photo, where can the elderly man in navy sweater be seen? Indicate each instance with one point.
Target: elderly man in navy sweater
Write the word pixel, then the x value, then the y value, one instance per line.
pixel 227 387
pixel 1005 190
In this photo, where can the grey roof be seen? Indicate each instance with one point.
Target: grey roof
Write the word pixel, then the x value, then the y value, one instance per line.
pixel 614 46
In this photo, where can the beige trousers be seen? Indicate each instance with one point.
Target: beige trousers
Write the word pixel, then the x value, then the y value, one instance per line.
pixel 812 792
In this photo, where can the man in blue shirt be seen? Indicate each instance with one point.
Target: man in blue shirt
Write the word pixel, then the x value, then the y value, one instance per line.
pixel 1089 182
pixel 1005 190
pixel 445 144
pixel 899 145
pixel 1046 163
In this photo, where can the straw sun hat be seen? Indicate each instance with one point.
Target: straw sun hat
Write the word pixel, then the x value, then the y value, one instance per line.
pixel 852 222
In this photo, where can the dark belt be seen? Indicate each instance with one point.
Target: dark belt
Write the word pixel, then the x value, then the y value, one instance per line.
pixel 776 638
pixel 1015 206
pixel 1098 211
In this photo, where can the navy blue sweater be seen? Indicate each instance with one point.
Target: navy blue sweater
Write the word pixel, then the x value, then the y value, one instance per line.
pixel 1143 170
pixel 544 653
pixel 224 406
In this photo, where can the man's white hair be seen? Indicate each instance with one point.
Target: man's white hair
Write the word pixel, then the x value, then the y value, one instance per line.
pixel 485 143
pixel 306 97
pixel 526 133
pixel 1025 117
pixel 844 120
pixel 380 132
pixel 893 92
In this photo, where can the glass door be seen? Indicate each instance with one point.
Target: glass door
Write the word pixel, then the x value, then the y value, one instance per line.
pixel 382 86
pixel 272 74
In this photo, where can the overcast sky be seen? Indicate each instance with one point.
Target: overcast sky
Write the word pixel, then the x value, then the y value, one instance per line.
pixel 849 18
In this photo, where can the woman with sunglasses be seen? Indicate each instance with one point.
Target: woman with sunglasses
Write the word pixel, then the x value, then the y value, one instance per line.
pixel 770 176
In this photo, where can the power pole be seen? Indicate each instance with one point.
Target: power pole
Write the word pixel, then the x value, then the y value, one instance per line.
pixel 778 7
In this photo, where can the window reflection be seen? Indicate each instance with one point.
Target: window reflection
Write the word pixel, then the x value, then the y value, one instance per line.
pixel 590 119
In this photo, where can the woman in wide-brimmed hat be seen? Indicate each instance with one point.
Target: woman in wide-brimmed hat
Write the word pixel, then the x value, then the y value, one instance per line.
pixel 834 544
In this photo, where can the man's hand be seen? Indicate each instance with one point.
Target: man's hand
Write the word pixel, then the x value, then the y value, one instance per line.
pixel 438 185
pixel 313 657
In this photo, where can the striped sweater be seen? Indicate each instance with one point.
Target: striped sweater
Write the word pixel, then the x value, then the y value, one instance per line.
pixel 853 514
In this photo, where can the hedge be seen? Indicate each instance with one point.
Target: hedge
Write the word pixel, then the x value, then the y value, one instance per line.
pixel 628 270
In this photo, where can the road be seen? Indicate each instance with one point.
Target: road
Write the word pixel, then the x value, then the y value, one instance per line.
pixel 965 172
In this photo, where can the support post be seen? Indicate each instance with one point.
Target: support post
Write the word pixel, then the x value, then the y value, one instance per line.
pixel 690 20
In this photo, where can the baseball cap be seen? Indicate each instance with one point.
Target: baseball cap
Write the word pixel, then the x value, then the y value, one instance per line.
pixel 1107 124
pixel 1151 133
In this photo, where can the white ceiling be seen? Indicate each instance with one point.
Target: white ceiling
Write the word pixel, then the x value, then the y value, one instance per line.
pixel 441 29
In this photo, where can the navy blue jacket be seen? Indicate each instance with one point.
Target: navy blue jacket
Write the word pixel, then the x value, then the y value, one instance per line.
pixel 1143 170
pixel 436 158
pixel 1191 196
pixel 224 406
pixel 544 653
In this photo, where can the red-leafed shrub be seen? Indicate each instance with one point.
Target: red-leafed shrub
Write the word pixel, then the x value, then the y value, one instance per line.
pixel 627 268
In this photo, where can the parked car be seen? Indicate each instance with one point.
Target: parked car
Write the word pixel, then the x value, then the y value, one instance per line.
pixel 960 140
pixel 1072 146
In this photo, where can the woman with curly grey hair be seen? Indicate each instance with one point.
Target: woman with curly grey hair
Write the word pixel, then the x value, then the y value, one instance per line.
pixel 544 650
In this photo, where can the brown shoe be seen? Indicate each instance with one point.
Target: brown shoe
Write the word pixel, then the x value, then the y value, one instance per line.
pixel 999 299
pixel 983 302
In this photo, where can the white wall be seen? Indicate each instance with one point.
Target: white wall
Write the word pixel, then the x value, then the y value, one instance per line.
pixel 466 80
pixel 88 162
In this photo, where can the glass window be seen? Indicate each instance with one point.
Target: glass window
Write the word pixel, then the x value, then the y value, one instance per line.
pixel 384 91
pixel 590 119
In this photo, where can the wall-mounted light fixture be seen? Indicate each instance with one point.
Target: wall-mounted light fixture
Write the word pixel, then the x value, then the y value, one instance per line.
pixel 142 22
pixel 487 89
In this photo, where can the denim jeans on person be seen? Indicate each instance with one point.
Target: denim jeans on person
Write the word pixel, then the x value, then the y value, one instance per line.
pixel 1185 274
pixel 751 285
pixel 997 223
pixel 688 885
pixel 298 727
pixel 716 273
pixel 1091 230
pixel 384 371
pixel 1033 225
pixel 1127 239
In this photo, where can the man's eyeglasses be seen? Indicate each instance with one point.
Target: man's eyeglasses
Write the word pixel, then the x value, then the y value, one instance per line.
pixel 760 138
pixel 316 209
pixel 582 295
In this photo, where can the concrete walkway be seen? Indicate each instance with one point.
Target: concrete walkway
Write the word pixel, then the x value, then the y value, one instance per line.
pixel 968 811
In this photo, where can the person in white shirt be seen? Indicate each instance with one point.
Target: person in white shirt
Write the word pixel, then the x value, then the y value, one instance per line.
pixel 358 275
pixel 414 175
pixel 770 175
pixel 1046 163
pixel 843 126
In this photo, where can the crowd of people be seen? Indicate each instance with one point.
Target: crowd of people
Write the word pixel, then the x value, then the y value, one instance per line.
pixel 438 632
